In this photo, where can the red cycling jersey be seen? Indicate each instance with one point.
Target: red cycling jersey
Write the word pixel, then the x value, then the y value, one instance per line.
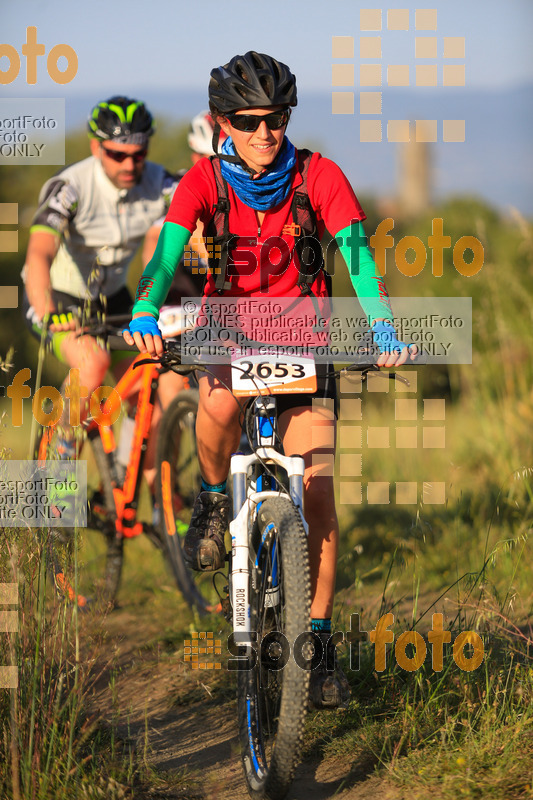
pixel 263 260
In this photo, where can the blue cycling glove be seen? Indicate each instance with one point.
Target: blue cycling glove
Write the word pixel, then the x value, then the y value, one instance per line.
pixel 385 337
pixel 143 325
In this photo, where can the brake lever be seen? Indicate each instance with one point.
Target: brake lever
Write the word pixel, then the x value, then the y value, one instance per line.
pixel 175 366
pixel 146 361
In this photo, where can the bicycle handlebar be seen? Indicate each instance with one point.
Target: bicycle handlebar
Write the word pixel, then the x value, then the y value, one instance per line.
pixel 171 359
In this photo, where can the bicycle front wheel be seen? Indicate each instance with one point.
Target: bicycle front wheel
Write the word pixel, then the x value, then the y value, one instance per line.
pixel 273 693
pixel 86 568
pixel 178 483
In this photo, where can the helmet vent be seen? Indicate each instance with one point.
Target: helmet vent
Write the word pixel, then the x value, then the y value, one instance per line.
pixel 257 61
pixel 267 85
pixel 241 72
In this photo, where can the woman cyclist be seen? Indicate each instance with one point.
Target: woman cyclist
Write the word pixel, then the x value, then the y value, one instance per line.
pixel 250 99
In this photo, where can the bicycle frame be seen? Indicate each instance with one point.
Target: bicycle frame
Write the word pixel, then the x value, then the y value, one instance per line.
pixel 146 380
pixel 144 376
pixel 245 504
pixel 126 495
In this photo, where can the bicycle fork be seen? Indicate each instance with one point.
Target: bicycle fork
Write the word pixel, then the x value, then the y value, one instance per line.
pixel 245 504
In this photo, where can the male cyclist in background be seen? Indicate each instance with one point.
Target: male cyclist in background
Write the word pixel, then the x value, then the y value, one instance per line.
pixel 91 220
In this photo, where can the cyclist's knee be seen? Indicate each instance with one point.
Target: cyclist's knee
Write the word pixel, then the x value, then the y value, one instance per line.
pixel 91 360
pixel 221 407
pixel 169 385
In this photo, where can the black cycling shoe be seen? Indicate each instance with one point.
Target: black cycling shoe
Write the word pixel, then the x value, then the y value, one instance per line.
pixel 203 546
pixel 328 688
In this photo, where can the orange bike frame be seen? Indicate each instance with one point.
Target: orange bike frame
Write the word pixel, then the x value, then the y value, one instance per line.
pixel 146 379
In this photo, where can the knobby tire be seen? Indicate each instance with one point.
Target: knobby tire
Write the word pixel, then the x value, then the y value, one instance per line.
pixel 272 704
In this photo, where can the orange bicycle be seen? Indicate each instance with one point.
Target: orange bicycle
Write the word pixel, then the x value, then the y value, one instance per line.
pixel 88 568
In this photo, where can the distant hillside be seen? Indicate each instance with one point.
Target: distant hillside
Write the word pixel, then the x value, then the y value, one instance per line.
pixel 495 161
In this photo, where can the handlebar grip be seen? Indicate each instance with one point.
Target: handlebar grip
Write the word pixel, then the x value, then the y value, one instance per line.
pixel 420 358
pixel 115 342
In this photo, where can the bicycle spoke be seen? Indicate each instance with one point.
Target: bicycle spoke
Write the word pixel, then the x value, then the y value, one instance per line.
pixel 178 483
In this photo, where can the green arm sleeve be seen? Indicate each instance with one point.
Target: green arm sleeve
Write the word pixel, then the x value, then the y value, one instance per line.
pixel 159 272
pixel 366 280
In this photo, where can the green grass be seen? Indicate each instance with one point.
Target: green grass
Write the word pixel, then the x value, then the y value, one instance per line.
pixel 432 734
pixel 450 734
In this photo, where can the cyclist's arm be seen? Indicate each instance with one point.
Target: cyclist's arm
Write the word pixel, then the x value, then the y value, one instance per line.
pixel 330 192
pixel 192 200
pixel 42 249
pixel 150 243
pixel 158 274
pixel 185 209
pixel 366 280
pixel 153 288
pixel 181 281
pixel 58 204
pixel 372 293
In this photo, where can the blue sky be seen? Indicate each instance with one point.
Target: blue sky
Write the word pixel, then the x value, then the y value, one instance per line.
pixel 169 43
pixel 159 50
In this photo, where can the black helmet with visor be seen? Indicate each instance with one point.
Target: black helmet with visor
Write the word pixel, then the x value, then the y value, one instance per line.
pixel 253 80
pixel 121 120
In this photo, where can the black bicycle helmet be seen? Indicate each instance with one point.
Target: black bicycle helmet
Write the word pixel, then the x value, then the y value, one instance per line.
pixel 121 119
pixel 251 80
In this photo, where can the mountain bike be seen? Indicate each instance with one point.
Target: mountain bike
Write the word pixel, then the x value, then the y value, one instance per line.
pixel 269 589
pixel 89 568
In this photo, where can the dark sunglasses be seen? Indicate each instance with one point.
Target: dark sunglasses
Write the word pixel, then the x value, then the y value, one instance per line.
pixel 120 155
pixel 251 122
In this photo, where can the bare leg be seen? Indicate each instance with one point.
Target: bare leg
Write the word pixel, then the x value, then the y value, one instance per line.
pixel 91 362
pixel 311 433
pixel 217 426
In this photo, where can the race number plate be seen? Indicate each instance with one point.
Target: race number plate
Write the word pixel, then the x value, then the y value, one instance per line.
pixel 272 374
pixel 173 321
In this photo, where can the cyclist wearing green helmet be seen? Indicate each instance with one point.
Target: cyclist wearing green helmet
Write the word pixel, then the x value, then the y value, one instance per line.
pixel 91 219
pixel 262 173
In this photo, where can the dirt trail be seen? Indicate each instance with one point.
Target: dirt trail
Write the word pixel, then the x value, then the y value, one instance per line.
pixel 181 721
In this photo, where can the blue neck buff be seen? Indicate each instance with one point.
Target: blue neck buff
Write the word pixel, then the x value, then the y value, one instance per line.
pixel 271 187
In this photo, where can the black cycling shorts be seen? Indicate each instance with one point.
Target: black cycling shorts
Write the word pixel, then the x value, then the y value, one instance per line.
pixel 326 389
